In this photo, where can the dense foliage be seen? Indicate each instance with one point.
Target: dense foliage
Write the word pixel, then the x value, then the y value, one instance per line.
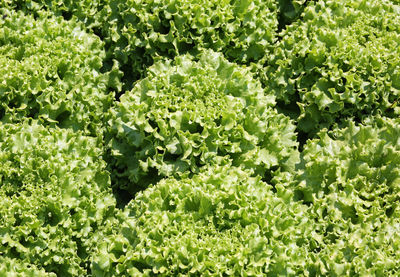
pixel 139 32
pixel 55 194
pixel 234 223
pixel 199 138
pixel 86 11
pixel 350 179
pixel 50 71
pixel 341 60
pixel 187 114
pixel 14 267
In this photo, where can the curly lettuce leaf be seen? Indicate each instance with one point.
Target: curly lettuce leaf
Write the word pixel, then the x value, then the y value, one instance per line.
pixel 220 222
pixel 55 195
pixel 140 32
pixel 340 61
pixel 188 113
pixel 12 267
pixel 50 71
pixel 86 11
pixel 350 179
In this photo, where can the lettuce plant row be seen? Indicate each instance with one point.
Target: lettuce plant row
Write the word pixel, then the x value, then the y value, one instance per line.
pixel 199 138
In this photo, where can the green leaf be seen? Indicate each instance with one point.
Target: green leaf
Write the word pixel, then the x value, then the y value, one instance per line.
pixel 55 197
pixel 187 113
pixel 210 223
pixel 50 71
pixel 339 62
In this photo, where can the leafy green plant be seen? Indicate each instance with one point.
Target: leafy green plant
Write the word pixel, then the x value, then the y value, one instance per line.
pixel 290 10
pixel 199 138
pixel 220 222
pixel 50 71
pixel 340 61
pixel 189 113
pixel 13 267
pixel 139 32
pixel 350 179
pixel 86 11
pixel 55 195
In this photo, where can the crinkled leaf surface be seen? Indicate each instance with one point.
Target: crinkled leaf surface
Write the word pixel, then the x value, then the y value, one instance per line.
pixel 350 178
pixel 341 60
pixel 50 70
pixel 55 194
pixel 13 267
pixel 220 222
pixel 86 11
pixel 189 113
pixel 141 31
